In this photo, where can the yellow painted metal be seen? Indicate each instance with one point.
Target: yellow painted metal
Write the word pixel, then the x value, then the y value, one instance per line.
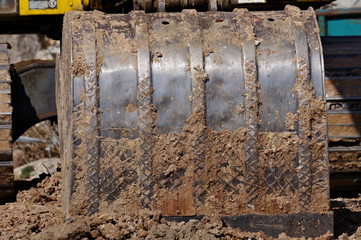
pixel 62 6
pixel 85 3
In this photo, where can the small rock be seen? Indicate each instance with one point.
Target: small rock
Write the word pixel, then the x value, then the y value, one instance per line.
pixel 95 234
pixel 109 231
pixel 142 233
pixel 18 158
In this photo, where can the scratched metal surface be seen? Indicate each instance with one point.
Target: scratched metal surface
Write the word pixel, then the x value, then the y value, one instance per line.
pixel 253 60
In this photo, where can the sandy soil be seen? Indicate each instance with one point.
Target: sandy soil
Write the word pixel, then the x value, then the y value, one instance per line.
pixel 37 215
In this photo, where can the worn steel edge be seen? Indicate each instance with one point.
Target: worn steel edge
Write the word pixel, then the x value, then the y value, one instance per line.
pixel 293 225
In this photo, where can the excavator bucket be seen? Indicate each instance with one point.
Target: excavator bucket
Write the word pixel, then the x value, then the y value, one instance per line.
pixel 193 114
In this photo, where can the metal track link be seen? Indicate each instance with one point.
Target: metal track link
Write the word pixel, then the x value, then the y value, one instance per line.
pixel 343 104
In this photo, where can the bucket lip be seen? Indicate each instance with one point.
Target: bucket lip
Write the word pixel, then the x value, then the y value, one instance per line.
pixel 294 225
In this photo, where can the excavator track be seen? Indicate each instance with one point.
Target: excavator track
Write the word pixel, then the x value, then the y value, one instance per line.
pixel 6 164
pixel 343 102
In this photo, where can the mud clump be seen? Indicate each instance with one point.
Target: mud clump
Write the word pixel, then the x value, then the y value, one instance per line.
pixel 78 67
pixel 36 209
pixel 291 121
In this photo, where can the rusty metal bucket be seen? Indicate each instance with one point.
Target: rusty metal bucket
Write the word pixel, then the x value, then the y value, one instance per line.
pixel 196 114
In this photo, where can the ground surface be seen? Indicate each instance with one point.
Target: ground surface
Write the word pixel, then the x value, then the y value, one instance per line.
pixel 37 215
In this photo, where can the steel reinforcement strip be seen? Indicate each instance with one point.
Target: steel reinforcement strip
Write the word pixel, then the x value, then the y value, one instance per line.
pixel 88 133
pixel 145 107
pixel 320 167
pixel 302 87
pixel 198 103
pixel 251 90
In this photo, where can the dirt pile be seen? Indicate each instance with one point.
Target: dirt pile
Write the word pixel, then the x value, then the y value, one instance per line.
pixel 36 209
pixel 37 215
pixel 143 225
